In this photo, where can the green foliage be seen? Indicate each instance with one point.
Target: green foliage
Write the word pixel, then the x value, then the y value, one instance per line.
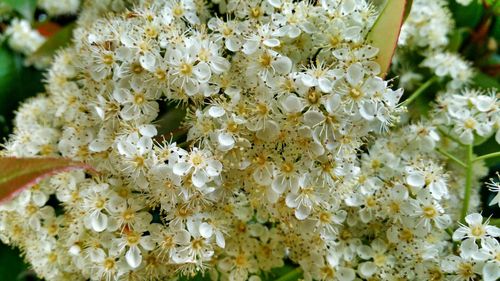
pixel 25 8
pixel 17 83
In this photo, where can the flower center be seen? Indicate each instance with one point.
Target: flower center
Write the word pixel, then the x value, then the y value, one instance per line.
pixel 430 212
pixel 265 60
pixel 133 238
pixel 186 69
pixel 107 59
pixel 197 160
pixel 470 123
pixel 355 94
pixel 379 259
pixel 287 167
pixel 197 243
pixel 255 12
pixel 240 260
pixel 478 230
pixel 466 270
pixel 99 204
pixel 109 263
pixel 313 96
pixel 139 98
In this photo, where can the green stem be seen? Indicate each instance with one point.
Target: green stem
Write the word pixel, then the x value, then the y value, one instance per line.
pixel 419 91
pixel 486 156
pixel 468 181
pixel 449 231
pixel 291 275
pixel 443 132
pixel 451 157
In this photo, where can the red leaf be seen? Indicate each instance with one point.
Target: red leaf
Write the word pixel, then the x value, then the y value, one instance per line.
pixel 47 29
pixel 17 174
pixel 385 32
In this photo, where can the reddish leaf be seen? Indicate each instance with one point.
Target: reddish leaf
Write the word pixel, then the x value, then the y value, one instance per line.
pixel 47 29
pixel 385 32
pixel 17 174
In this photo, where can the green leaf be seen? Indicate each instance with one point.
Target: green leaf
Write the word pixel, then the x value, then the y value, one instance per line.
pixel 485 81
pixel 385 32
pixel 466 16
pixel 59 40
pixel 14 85
pixel 17 174
pixel 25 8
pixel 457 38
pixel 169 125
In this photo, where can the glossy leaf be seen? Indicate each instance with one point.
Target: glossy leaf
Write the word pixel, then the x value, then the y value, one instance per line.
pixel 17 174
pixel 385 32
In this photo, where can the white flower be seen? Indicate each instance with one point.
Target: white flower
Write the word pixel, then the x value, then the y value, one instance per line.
pixel 200 165
pixel 475 230
pixel 23 38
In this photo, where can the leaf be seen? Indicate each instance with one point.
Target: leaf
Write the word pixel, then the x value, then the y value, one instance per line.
pixel 457 38
pixel 25 8
pixel 384 33
pixel 17 174
pixel 466 16
pixel 59 40
pixel 485 81
pixel 14 87
pixel 169 125
pixel 48 29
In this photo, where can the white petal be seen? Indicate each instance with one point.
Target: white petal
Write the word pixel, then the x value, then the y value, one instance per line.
pixel 302 212
pixel 206 230
pixel 354 74
pixel 148 130
pixel 291 200
pixel 199 178
pixel 313 118
pixel 272 42
pixel 202 72
pixel 182 237
pixel 133 257
pixel 99 221
pixel 282 65
pixel 474 219
pixel 308 80
pixel 367 111
pixel 226 139
pixel 346 274
pixel 214 168
pixel 148 62
pixel 325 85
pixel 250 47
pixel 415 179
pixel 292 104
pixel 216 111
pixel 181 168
pixel 468 248
pixel 367 269
pixel 219 239
pixel 491 271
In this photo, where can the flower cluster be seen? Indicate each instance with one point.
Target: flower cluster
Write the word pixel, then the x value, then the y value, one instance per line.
pixel 59 7
pixel 424 43
pixel 22 38
pixel 285 154
pixel 471 115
